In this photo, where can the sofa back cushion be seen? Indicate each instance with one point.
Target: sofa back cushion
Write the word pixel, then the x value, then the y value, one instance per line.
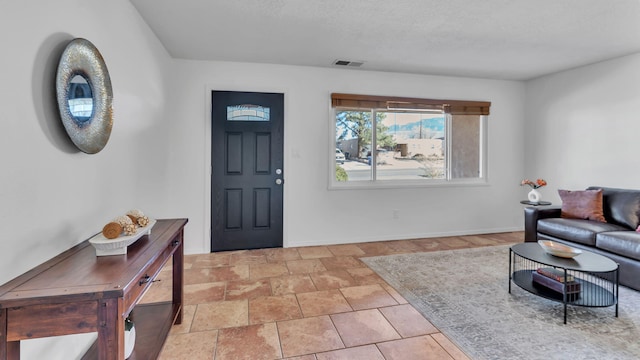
pixel 620 206
pixel 582 204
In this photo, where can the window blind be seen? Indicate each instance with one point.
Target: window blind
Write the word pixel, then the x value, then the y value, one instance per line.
pixel 454 107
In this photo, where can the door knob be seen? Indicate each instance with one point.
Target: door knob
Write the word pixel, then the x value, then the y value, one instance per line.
pixel 279 181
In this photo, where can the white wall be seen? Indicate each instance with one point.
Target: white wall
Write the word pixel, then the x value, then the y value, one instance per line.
pixel 53 196
pixel 582 127
pixel 316 215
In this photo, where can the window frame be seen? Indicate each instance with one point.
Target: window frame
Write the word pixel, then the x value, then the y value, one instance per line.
pixel 354 102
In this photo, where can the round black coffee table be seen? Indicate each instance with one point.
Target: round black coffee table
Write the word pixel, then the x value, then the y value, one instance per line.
pixel 587 279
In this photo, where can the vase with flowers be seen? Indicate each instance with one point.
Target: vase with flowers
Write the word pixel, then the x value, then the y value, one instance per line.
pixel 534 195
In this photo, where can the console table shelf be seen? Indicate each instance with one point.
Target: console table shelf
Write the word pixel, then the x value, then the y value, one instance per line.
pixel 78 292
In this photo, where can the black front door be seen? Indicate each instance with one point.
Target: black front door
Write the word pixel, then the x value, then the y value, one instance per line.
pixel 247 172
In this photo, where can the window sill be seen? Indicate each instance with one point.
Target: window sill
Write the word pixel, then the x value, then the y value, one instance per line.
pixel 405 184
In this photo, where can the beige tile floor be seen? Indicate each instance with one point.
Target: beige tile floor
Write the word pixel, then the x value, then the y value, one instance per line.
pixel 305 303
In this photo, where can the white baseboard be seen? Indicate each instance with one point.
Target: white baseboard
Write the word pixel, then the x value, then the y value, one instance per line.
pixel 353 240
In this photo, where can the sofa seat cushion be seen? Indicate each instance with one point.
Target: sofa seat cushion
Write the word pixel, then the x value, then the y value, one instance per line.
pixel 576 230
pixel 623 243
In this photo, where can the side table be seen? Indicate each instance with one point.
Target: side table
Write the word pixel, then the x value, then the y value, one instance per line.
pixel 540 203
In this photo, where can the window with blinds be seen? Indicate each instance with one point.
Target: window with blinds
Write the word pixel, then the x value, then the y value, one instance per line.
pixel 389 140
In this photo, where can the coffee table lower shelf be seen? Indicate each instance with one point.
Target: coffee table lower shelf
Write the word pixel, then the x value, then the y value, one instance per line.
pixel 591 295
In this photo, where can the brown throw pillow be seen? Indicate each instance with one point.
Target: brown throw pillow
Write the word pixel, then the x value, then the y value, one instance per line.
pixel 582 204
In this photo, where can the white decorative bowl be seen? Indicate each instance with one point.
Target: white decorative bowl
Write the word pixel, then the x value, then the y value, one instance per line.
pixel 118 246
pixel 557 249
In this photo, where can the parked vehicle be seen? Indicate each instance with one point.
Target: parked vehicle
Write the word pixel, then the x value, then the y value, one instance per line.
pixel 339 157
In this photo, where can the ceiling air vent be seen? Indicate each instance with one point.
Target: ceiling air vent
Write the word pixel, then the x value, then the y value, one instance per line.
pixel 348 63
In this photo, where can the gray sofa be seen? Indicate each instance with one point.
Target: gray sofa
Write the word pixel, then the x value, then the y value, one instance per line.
pixel 615 239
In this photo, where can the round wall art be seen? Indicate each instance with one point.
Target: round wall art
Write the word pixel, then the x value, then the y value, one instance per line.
pixel 83 89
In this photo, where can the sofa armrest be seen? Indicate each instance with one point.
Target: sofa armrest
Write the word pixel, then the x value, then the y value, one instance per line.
pixel 531 216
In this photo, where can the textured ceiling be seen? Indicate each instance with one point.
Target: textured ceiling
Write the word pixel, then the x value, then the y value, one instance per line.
pixel 498 39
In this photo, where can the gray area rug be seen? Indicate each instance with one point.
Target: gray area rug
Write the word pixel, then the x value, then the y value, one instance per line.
pixel 464 293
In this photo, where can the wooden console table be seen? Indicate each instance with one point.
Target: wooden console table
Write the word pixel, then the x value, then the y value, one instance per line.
pixel 78 292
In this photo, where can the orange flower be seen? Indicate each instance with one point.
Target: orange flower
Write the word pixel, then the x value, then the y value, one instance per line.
pixel 534 185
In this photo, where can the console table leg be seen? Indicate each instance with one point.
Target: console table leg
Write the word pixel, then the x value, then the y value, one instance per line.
pixel 178 266
pixel 111 329
pixel 13 350
pixel 9 350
